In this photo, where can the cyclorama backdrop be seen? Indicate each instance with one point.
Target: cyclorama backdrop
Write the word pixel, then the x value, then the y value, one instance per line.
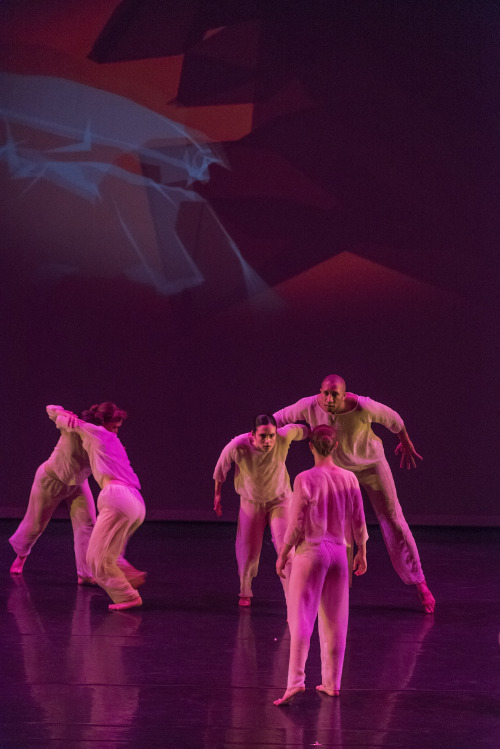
pixel 206 207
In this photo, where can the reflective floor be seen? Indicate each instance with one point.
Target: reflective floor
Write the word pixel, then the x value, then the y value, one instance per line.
pixel 192 669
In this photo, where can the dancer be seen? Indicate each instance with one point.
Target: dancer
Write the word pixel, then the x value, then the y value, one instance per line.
pixel 326 512
pixel 120 504
pixel 362 452
pixel 262 481
pixel 63 477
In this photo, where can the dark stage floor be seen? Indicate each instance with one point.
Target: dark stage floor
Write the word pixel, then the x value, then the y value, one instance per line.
pixel 192 669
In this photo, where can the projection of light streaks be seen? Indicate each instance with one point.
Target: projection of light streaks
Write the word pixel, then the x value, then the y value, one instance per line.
pixel 99 147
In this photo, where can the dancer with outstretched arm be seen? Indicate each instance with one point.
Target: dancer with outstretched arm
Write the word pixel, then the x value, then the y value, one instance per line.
pixel 120 504
pixel 361 451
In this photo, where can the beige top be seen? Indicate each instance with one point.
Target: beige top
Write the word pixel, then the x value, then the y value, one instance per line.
pixel 107 456
pixel 259 476
pixel 359 446
pixel 68 461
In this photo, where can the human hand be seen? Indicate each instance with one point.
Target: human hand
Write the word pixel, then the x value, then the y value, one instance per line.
pixel 408 454
pixel 280 565
pixel 72 419
pixel 359 565
pixel 217 506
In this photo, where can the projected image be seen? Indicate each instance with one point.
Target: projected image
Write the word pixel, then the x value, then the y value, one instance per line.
pixel 92 151
pixel 205 207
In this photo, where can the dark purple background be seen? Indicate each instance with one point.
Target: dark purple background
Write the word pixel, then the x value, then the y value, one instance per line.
pixel 362 190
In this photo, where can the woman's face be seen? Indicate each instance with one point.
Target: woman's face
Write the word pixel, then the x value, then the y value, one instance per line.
pixel 264 437
pixel 113 426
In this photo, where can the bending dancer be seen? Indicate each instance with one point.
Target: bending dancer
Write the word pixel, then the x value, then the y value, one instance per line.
pixel 362 452
pixel 326 511
pixel 262 481
pixel 63 477
pixel 120 504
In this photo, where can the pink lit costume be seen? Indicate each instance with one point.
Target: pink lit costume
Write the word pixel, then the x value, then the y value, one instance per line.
pixel 361 451
pixel 325 513
pixel 120 505
pixel 262 481
pixel 63 477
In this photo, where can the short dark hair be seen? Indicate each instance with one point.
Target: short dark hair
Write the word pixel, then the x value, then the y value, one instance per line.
pixel 263 420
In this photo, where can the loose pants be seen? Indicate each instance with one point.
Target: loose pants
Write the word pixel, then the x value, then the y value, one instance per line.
pixel 46 494
pixel 252 520
pixel 121 511
pixel 319 586
pixel 378 483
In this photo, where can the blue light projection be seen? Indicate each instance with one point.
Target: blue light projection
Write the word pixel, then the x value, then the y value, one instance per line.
pixel 99 130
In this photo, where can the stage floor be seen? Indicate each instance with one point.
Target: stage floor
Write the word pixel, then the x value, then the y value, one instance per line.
pixel 191 669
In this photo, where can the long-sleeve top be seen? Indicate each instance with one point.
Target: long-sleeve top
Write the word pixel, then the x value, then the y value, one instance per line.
pixel 107 456
pixel 326 506
pixel 358 445
pixel 68 461
pixel 259 475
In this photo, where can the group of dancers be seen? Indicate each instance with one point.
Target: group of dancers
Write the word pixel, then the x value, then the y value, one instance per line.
pixel 311 527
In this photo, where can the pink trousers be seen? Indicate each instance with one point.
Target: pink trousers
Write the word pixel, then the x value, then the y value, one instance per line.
pixel 121 512
pixel 46 494
pixel 378 483
pixel 252 520
pixel 319 586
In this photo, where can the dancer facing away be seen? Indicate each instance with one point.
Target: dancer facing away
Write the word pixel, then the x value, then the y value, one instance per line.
pixel 262 481
pixel 362 452
pixel 326 511
pixel 120 504
pixel 63 477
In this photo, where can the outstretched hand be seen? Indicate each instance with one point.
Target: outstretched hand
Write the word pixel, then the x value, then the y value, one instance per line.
pixel 408 454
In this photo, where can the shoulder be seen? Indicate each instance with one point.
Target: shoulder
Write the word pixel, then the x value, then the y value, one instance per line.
pixel 302 476
pixel 306 478
pixel 239 441
pixel 353 401
pixel 293 428
pixel 305 403
pixel 96 429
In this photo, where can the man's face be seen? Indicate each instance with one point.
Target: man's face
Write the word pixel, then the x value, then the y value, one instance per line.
pixel 331 396
pixel 264 437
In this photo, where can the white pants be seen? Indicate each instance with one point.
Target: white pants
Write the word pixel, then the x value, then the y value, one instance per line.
pixel 319 586
pixel 252 520
pixel 46 493
pixel 121 512
pixel 378 483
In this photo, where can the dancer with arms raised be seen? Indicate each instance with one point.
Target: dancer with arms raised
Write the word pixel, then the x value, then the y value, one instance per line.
pixel 362 452
pixel 120 504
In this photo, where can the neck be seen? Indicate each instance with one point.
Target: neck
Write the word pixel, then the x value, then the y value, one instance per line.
pixel 323 460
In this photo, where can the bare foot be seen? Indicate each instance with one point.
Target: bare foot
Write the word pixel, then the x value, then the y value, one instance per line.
pixel 288 696
pixel 125 604
pixel 327 690
pixel 426 598
pixel 86 580
pixel 17 565
pixel 245 601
